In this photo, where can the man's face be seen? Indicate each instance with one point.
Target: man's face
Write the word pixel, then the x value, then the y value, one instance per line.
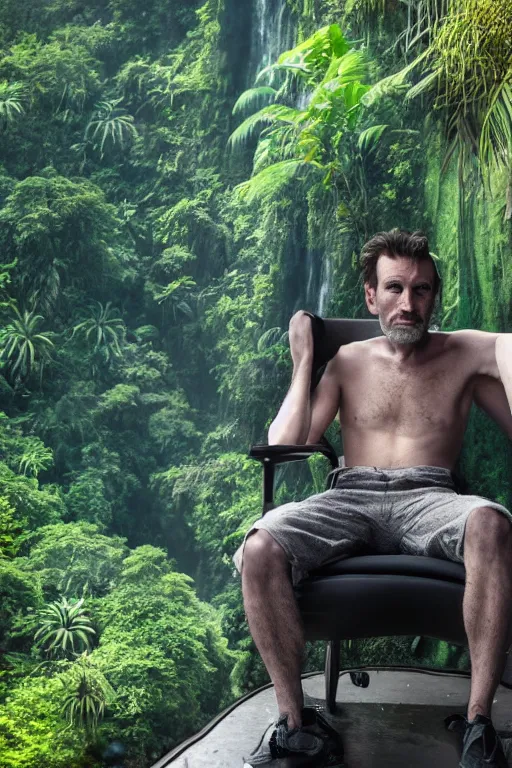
pixel 404 297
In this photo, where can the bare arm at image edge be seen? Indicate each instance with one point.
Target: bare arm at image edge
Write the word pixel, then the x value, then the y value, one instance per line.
pixel 301 421
pixel 503 351
pixel 292 423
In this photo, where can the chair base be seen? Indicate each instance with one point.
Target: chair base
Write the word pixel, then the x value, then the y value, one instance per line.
pixel 332 672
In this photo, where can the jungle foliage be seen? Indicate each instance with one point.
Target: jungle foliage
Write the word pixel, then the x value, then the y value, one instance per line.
pixel 162 216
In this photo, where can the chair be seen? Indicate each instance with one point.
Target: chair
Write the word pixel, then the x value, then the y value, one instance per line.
pixel 367 596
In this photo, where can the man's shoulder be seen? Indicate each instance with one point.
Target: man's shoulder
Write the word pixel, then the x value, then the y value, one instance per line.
pixel 373 343
pixel 479 347
pixel 357 349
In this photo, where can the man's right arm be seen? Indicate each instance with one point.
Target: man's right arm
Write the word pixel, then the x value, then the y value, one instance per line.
pixel 292 423
pixel 299 420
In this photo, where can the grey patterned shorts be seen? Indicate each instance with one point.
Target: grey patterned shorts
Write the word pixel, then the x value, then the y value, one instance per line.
pixel 411 510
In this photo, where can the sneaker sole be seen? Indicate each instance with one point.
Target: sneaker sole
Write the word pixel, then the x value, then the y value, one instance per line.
pixel 298 761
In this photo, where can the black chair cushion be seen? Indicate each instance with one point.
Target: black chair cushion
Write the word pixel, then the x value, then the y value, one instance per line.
pixel 405 565
pixel 378 595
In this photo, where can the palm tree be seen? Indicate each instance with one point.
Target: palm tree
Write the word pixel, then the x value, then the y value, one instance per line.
pixel 467 71
pixel 11 101
pixel 22 347
pixel 35 458
pixel 110 122
pixel 104 330
pixel 66 625
pixel 87 694
pixel 176 294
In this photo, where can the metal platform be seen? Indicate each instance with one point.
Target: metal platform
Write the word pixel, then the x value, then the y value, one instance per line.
pixel 397 722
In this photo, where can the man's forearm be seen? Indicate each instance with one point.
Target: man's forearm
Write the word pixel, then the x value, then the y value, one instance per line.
pixel 504 361
pixel 292 423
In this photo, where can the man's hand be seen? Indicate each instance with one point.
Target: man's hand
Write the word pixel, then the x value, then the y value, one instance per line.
pixel 300 334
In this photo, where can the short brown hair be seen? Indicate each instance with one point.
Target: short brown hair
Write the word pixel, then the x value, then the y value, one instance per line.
pixel 397 242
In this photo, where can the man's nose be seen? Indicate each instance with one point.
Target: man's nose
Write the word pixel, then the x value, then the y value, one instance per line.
pixel 407 301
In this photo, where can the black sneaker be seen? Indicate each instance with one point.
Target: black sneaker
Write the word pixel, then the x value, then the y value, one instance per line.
pixel 481 745
pixel 316 743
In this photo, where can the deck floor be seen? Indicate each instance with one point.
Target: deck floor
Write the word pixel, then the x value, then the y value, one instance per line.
pixel 397 722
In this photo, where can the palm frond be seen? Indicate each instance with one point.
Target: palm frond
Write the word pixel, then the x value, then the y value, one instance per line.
pixel 369 138
pixel 269 181
pixel 268 115
pixel 254 97
pixel 352 66
pixel 328 40
pixel 423 85
pixel 495 147
pixel 270 337
pixel 393 83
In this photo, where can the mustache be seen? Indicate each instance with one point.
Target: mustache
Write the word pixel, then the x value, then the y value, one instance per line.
pixel 414 319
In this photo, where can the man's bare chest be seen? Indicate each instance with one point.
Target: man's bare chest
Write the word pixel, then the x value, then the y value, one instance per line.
pixel 427 398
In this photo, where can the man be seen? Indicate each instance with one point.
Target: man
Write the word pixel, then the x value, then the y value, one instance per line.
pixel 403 401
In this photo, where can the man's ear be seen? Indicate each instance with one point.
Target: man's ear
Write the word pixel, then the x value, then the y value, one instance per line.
pixel 369 295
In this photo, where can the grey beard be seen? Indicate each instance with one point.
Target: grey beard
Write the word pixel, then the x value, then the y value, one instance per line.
pixel 404 334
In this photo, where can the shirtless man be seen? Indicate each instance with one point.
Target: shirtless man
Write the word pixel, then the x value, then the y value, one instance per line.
pixel 403 401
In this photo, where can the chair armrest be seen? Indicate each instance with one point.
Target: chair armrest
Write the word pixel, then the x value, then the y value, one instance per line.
pixel 279 454
pixel 270 455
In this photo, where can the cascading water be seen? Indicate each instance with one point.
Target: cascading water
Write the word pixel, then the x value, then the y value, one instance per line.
pixel 325 286
pixel 274 31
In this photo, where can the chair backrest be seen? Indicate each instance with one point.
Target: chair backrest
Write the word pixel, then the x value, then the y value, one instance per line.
pixel 329 334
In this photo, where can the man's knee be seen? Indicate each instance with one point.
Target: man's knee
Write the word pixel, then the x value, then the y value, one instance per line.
pixel 486 528
pixel 262 553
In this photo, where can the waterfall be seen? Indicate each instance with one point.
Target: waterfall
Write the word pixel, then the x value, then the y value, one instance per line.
pixel 318 268
pixel 325 285
pixel 273 32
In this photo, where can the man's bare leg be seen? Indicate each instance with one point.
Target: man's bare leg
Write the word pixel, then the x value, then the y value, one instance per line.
pixel 274 620
pixel 487 603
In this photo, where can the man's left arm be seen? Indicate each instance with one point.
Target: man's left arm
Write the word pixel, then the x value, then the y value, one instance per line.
pixel 503 353
pixel 491 354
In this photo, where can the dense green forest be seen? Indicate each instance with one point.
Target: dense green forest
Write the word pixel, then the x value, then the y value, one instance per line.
pixel 176 180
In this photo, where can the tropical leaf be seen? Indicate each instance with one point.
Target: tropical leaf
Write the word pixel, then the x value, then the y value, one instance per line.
pixel 65 624
pixel 393 84
pixel 87 693
pixel 268 182
pixel 369 138
pixel 327 41
pixel 423 85
pixel 495 147
pixel 254 97
pixel 270 337
pixel 110 122
pixel 105 329
pixel 268 115
pixel 36 457
pixel 12 96
pixel 21 345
